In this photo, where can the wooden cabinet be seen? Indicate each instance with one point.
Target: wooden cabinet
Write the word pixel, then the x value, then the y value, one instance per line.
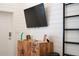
pixel 24 48
pixel 29 48
pixel 42 48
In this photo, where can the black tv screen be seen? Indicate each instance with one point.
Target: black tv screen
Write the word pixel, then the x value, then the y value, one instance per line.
pixel 35 16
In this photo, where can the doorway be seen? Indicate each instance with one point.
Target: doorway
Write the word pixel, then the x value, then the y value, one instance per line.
pixel 6 41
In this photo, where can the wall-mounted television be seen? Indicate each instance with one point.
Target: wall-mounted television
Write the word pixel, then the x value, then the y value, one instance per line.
pixel 35 16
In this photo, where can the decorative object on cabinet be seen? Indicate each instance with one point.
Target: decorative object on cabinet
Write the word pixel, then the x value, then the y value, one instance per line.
pixel 46 38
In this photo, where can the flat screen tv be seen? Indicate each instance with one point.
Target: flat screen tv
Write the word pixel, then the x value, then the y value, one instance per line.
pixel 35 16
